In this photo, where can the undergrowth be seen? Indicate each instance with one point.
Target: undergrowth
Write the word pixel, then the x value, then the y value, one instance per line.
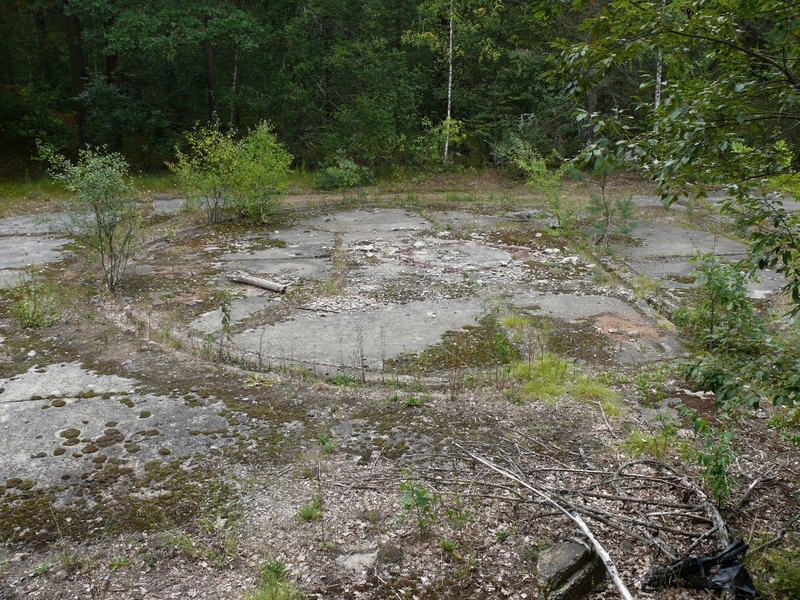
pixel 275 585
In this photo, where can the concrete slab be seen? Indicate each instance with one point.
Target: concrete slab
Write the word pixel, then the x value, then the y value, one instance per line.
pixel 662 240
pixel 333 341
pixel 168 207
pixel 107 418
pixel 573 307
pixel 664 252
pixel 20 251
pixel 371 225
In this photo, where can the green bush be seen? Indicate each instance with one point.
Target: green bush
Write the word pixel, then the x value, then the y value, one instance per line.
pixel 32 304
pixel 739 356
pixel 345 174
pixel 233 178
pixel 104 214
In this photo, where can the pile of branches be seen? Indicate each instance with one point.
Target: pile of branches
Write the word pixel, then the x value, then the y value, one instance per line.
pixel 646 500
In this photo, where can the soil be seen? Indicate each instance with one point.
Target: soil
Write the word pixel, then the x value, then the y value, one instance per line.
pixel 146 515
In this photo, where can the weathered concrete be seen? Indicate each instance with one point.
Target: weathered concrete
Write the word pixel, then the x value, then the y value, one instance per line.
pixel 112 419
pixel 350 339
pixel 664 252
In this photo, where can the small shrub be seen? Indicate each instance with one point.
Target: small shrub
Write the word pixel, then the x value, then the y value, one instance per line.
pixel 417 500
pixel 241 178
pixel 105 215
pixel 32 304
pixel 312 510
pixel 342 175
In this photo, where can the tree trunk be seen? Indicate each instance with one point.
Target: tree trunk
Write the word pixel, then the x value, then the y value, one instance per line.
pixel 211 68
pixel 449 89
pixel 41 38
pixel 77 68
pixel 234 120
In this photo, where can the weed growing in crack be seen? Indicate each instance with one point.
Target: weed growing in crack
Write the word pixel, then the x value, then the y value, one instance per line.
pixel 655 445
pixel 119 562
pixel 326 443
pixel 449 548
pixel 592 390
pixel 545 378
pixel 337 276
pixel 417 500
pixel 255 380
pixel 274 584
pixel 42 569
pixel 412 402
pixel 343 380
pixel 225 298
pixel 311 511
pixel 32 304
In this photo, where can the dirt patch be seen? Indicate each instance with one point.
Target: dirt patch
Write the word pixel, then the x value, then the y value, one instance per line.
pixel 618 328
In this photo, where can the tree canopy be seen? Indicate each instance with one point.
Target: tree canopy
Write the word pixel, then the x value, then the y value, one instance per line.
pixel 718 104
pixel 364 77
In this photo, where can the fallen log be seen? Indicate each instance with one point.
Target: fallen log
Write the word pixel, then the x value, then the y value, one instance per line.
pixel 242 277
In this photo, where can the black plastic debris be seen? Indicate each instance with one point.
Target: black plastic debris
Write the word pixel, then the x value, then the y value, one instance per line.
pixel 721 571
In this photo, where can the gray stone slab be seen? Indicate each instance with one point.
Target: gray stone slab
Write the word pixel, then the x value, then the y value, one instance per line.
pixel 573 307
pixel 20 251
pixel 460 219
pixel 168 207
pixel 335 340
pixel 662 240
pixel 356 226
pixel 241 308
pixel 30 433
pixel 30 225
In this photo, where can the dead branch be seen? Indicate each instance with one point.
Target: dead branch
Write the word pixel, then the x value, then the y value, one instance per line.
pixel 750 489
pixel 778 537
pixel 599 549
pixel 711 510
pixel 652 501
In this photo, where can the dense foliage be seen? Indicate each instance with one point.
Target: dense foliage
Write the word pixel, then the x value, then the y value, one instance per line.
pixel 718 105
pixel 366 78
pixel 229 176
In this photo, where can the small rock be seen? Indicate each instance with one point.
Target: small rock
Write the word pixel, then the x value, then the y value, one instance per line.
pixel 633 334
pixel 569 571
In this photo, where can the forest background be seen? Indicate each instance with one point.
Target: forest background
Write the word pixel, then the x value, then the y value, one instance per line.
pixel 361 79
